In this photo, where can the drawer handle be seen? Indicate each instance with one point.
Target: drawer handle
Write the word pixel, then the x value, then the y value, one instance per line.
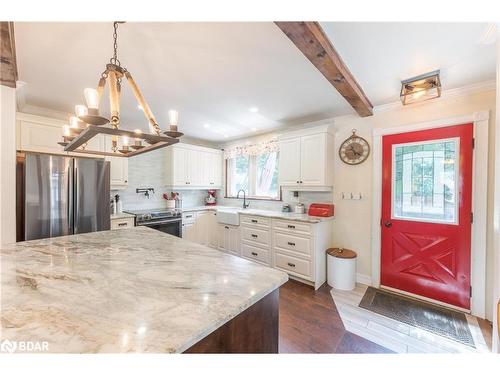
pixel 291 243
pixel 254 253
pixel 122 224
pixel 291 226
pixel 254 221
pixel 254 235
pixel 291 264
pixel 226 227
pixel 188 216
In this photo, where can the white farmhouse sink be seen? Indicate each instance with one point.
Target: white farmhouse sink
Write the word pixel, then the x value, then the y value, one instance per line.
pixel 229 216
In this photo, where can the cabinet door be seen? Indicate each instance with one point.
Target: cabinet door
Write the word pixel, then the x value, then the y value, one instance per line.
pixel 118 167
pixel 180 156
pixel 202 227
pixel 194 168
pixel 213 230
pixel 234 240
pixel 222 237
pixel 312 159
pixel 289 166
pixel 188 232
pixel 216 170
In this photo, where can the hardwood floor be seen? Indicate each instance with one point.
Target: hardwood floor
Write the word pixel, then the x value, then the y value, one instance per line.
pixel 310 323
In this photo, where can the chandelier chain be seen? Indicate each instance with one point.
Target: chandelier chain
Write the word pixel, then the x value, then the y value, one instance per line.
pixel 114 59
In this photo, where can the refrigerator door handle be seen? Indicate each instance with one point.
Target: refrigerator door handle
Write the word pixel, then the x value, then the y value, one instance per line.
pixel 76 202
pixel 71 196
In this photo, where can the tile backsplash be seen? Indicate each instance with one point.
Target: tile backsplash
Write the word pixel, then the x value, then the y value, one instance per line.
pixel 148 171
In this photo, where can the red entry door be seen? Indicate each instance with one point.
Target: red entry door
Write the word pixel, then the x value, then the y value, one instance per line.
pixel 426 213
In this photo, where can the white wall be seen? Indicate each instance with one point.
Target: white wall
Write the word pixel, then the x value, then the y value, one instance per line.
pixel 352 228
pixel 7 164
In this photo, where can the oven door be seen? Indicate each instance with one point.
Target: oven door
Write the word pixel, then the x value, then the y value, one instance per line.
pixel 173 227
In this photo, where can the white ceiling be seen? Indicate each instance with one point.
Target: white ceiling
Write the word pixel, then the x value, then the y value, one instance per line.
pixel 213 73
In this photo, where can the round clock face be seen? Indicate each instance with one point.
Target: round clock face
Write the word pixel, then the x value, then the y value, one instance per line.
pixel 354 150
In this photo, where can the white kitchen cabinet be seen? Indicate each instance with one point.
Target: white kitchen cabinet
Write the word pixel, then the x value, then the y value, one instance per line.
pixel 289 166
pixel 193 167
pixel 118 166
pixel 228 238
pixel 41 134
pixel 122 223
pixel 306 159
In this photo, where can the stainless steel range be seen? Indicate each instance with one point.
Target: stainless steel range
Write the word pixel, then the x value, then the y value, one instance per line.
pixel 162 219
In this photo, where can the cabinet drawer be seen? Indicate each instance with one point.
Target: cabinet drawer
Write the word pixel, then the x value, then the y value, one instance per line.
pixel 255 253
pixel 299 245
pixel 255 221
pixel 293 226
pixel 257 236
pixel 188 217
pixel 122 223
pixel 294 265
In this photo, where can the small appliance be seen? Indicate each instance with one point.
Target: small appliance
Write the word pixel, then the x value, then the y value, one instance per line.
pixel 211 200
pixel 300 208
pixel 321 209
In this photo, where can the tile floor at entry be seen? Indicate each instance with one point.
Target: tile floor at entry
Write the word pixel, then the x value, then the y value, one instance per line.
pixel 397 336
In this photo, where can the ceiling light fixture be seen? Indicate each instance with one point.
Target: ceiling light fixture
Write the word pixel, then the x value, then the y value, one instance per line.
pixel 254 109
pixel 423 87
pixel 88 122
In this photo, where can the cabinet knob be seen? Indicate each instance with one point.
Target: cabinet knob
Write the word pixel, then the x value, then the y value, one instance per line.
pixel 298 181
pixel 291 264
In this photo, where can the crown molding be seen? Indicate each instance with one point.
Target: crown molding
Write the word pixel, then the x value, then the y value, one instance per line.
pixel 446 94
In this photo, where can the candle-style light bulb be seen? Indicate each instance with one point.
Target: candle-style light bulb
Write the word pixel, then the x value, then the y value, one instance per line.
pixel 91 98
pixel 173 116
pixel 80 110
pixel 125 141
pixel 66 130
pixel 74 122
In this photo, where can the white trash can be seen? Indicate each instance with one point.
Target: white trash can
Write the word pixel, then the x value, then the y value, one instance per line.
pixel 341 268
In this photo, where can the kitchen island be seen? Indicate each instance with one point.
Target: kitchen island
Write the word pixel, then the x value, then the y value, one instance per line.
pixel 136 290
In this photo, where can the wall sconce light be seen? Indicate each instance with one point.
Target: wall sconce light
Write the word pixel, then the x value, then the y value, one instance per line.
pixel 423 87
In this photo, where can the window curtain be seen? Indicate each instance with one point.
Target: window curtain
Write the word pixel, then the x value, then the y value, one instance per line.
pixel 252 150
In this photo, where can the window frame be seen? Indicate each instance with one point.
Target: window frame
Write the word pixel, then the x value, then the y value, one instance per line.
pixel 251 182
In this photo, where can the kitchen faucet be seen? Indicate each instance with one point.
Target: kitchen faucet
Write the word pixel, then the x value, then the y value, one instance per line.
pixel 245 204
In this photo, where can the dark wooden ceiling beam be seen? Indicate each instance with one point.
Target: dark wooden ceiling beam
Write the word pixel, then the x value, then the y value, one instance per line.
pixel 8 63
pixel 311 40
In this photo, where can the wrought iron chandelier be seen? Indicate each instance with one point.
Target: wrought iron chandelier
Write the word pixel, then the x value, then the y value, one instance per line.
pixel 89 123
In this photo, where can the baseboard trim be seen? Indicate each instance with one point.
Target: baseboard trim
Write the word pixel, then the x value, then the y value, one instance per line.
pixel 363 279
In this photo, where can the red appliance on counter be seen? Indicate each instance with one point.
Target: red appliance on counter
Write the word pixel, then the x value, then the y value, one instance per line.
pixel 321 209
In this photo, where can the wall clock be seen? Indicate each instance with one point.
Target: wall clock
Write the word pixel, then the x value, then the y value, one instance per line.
pixel 354 150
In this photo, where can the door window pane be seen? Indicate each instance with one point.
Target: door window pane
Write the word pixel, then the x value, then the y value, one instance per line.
pixel 425 176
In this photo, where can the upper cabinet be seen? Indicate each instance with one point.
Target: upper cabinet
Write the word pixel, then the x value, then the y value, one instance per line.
pixel 193 167
pixel 306 159
pixel 41 134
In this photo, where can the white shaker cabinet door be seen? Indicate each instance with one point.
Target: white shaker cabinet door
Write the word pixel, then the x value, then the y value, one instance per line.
pixel 313 159
pixel 180 166
pixel 118 167
pixel 289 166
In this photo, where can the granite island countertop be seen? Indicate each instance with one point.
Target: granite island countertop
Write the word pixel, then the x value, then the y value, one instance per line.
pixel 132 290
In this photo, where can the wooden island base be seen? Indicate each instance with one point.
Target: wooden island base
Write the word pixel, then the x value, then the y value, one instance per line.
pixel 255 330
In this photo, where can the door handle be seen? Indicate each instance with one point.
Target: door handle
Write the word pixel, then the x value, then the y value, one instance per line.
pixel 387 224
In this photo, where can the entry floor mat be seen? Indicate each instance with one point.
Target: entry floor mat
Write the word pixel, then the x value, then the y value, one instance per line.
pixel 438 320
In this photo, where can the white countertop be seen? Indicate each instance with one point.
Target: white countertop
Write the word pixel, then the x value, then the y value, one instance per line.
pixel 265 213
pixel 130 290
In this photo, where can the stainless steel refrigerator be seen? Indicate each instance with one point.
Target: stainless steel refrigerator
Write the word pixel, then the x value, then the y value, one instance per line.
pixel 61 195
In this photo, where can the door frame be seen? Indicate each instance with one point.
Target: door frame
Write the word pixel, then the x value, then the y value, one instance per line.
pixel 480 121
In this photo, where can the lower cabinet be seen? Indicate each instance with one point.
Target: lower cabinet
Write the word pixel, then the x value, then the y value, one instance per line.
pixel 297 248
pixel 122 223
pixel 228 238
